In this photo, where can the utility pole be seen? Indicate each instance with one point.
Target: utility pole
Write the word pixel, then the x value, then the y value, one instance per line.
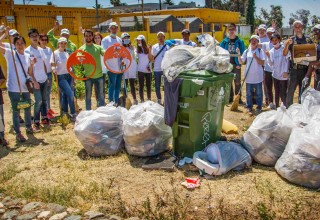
pixel 24 2
pixel 142 13
pixel 160 4
pixel 97 16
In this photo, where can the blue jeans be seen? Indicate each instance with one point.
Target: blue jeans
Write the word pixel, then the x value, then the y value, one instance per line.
pixel 15 98
pixel 249 94
pixel 114 86
pixel 65 85
pixel 157 83
pixel 40 105
pixel 98 85
pixel 49 86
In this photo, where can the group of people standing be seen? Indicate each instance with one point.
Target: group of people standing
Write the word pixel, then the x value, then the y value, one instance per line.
pixel 40 64
pixel 270 66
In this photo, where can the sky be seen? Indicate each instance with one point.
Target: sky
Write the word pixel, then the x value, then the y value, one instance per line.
pixel 288 6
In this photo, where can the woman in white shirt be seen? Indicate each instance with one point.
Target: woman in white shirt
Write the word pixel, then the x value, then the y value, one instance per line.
pixel 131 73
pixel 144 67
pixel 59 67
pixel 43 41
pixel 280 66
pixel 254 57
pixel 17 75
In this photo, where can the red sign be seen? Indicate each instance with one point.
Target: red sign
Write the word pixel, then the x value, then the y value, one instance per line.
pixel 119 56
pixel 75 64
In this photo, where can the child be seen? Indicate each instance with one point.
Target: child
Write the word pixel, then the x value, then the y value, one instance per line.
pixel 253 72
pixel 280 66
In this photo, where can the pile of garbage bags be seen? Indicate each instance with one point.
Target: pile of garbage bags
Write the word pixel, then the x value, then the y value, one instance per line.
pixel 221 157
pixel 185 58
pixel 300 162
pixel 100 131
pixel 145 133
pixel 268 135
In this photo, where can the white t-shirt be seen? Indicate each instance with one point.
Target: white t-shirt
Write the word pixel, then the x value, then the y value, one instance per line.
pixel 264 39
pixel 267 46
pixel 143 62
pixel 107 42
pixel 48 52
pixel 7 45
pixel 155 50
pixel 255 73
pixel 182 42
pixel 12 81
pixel 131 73
pixel 38 69
pixel 61 61
pixel 279 62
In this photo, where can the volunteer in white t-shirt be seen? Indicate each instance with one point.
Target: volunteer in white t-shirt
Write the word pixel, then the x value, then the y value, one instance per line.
pixel 43 41
pixel 114 80
pixel 184 41
pixel 144 66
pixel 39 78
pixel 263 34
pixel 131 74
pixel 254 57
pixel 12 34
pixel 59 67
pixel 280 66
pixel 17 74
pixel 158 51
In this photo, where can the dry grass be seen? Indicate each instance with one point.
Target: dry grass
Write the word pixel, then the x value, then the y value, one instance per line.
pixel 51 167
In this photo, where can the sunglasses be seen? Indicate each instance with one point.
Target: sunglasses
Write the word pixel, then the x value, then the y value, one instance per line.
pixel 44 39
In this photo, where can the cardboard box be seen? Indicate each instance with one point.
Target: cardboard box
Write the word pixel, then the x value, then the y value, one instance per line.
pixel 304 53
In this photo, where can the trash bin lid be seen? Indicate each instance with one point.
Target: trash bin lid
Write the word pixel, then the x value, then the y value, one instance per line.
pixel 205 74
pixel 198 73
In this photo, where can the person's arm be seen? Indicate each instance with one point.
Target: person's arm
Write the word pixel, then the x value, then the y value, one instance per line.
pixel 52 39
pixel 171 42
pixel 150 56
pixel 260 59
pixel 2 49
pixel 286 47
pixel 31 73
pixel 269 55
pixel 242 59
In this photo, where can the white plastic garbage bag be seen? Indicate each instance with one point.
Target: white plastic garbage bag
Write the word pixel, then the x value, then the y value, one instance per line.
pixel 300 162
pixel 183 58
pixel 100 131
pixel 310 97
pixel 299 114
pixel 268 135
pixel 221 157
pixel 145 133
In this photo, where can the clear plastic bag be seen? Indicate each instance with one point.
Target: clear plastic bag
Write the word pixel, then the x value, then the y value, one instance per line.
pixel 300 162
pixel 221 157
pixel 100 131
pixel 268 135
pixel 310 97
pixel 145 133
pixel 183 58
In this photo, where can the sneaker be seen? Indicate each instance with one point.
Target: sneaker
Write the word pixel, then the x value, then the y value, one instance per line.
pixel 21 120
pixel 36 127
pixel 30 130
pixel 159 101
pixel 4 142
pixel 45 121
pixel 272 106
pixel 20 138
pixel 135 102
pixel 73 118
pixel 51 112
pixel 249 111
pixel 258 111
pixel 50 116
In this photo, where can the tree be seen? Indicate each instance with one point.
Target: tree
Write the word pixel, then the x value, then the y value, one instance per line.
pixel 315 20
pixel 291 20
pixel 137 26
pixel 250 13
pixel 302 15
pixel 169 2
pixel 49 3
pixel 230 5
pixel 115 2
pixel 274 16
pixel 98 6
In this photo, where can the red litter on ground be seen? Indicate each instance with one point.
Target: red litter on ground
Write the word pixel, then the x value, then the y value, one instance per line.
pixel 191 183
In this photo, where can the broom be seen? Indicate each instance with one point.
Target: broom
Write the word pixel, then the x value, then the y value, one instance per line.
pixel 235 103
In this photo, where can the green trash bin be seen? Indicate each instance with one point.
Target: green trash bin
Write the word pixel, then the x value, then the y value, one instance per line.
pixel 202 97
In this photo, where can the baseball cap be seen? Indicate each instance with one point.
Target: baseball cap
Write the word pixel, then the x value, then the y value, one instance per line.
pixel 317 26
pixel 65 31
pixel 262 26
pixel 141 37
pixel 62 39
pixel 160 32
pixel 113 24
pixel 187 31
pixel 297 22
pixel 271 29
pixel 125 34
pixel 13 32
pixel 255 37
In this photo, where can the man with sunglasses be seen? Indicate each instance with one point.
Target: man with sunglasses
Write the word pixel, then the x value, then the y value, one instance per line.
pixel 314 66
pixel 231 43
pixel 297 71
pixel 184 41
pixel 71 47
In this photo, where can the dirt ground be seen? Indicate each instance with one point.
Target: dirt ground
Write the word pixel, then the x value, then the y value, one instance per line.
pixel 52 167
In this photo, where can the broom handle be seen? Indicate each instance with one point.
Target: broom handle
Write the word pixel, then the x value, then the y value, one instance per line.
pixel 15 67
pixel 245 76
pixel 56 79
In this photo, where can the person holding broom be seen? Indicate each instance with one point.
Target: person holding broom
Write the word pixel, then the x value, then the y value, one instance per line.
pixel 18 73
pixel 254 56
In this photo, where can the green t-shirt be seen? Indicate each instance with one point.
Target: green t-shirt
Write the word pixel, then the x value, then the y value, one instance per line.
pixel 96 51
pixel 54 42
